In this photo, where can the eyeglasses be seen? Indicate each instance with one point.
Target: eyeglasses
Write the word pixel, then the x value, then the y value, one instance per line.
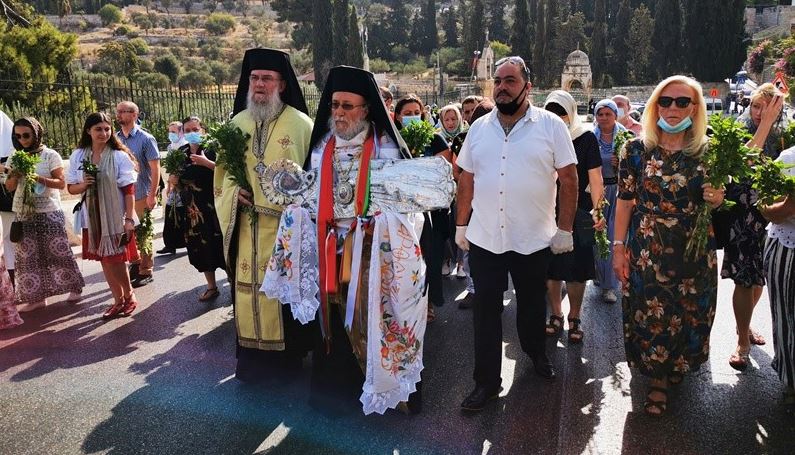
pixel 681 101
pixel 266 79
pixel 513 60
pixel 334 105
pixel 23 136
pixel 126 111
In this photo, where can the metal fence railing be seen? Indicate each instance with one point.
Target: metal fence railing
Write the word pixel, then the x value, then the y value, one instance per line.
pixel 62 107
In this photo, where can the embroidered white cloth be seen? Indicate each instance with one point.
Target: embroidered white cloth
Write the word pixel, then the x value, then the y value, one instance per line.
pixel 292 273
pixel 397 312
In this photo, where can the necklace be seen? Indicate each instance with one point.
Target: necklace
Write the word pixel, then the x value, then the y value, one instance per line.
pixel 345 191
pixel 507 126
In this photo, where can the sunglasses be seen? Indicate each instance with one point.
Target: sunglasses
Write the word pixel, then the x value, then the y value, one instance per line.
pixel 681 101
pixel 23 136
pixel 514 60
pixel 334 105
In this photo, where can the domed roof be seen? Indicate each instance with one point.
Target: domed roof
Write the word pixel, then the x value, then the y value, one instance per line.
pixel 578 57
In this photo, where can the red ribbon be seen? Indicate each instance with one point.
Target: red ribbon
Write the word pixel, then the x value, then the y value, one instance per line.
pixel 326 234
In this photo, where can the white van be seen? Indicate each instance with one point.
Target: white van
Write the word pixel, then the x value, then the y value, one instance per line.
pixel 714 105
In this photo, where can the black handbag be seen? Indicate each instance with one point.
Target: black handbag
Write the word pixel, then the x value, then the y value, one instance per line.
pixel 15 233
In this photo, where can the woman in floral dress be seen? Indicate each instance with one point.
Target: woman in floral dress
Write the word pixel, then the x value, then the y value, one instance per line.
pixel 742 258
pixel 669 299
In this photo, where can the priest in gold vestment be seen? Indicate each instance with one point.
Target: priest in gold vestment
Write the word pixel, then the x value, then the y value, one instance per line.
pixel 270 107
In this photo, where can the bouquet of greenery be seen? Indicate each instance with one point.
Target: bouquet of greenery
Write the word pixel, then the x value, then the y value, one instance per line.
pixel 145 232
pixel 618 143
pixel 229 144
pixel 24 164
pixel 771 182
pixel 417 135
pixel 727 157
pixel 174 162
pixel 788 136
pixel 600 237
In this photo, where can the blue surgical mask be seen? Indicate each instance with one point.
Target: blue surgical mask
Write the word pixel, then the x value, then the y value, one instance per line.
pixel 621 113
pixel 411 118
pixel 673 129
pixel 193 138
pixel 173 137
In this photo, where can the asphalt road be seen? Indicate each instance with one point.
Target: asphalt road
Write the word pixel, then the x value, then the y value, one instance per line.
pixel 162 382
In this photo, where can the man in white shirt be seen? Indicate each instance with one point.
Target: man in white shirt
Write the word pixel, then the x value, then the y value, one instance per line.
pixel 511 160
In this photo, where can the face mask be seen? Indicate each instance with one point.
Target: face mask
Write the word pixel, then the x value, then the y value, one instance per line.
pixel 173 137
pixel 411 118
pixel 193 138
pixel 621 112
pixel 668 128
pixel 511 107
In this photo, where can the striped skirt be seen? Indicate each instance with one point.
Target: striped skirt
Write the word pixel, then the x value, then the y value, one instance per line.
pixel 780 272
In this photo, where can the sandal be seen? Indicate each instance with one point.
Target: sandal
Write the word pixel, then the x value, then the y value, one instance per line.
pixel 675 378
pixel 555 325
pixel 209 294
pixel 114 309
pixel 130 304
pixel 575 334
pixel 756 338
pixel 656 408
pixel 740 359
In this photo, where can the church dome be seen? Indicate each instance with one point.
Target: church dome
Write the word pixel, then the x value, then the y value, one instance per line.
pixel 577 58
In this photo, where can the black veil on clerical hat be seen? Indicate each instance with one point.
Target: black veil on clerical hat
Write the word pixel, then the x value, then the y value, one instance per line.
pixel 274 60
pixel 360 82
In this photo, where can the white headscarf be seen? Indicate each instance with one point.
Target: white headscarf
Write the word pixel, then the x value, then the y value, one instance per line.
pixel 564 98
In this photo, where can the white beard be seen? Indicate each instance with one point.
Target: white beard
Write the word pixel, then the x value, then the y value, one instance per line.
pixel 352 132
pixel 265 112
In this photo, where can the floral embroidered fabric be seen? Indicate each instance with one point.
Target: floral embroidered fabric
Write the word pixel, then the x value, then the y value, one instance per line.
pixel 292 273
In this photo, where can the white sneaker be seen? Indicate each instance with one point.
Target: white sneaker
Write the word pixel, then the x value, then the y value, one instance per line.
pixel 26 307
pixel 446 268
pixel 75 297
pixel 460 273
pixel 609 296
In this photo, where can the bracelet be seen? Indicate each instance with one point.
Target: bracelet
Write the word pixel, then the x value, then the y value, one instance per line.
pixel 618 242
pixel 461 225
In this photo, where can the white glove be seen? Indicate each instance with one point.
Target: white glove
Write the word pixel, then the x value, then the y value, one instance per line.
pixel 461 237
pixel 562 242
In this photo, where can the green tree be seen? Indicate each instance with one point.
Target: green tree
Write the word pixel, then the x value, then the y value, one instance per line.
pixel 476 28
pixel 140 46
pixel 539 46
pixel 379 65
pixel 110 14
pixel 430 35
pixel 119 59
pixel 667 38
pixel 299 14
pixel 355 46
pixel 379 40
pixel 718 53
pixel 397 27
pixel 621 44
pixel 639 61
pixel 196 79
pixel 340 29
pixel 39 51
pixel 522 31
pixel 500 50
pixel 219 71
pixel 322 46
pixel 598 52
pixel 151 80
pixel 450 26
pixel 498 29
pixel 571 34
pixel 169 66
pixel 220 23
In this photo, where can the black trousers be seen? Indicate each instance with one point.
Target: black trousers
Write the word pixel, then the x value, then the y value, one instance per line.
pixel 490 274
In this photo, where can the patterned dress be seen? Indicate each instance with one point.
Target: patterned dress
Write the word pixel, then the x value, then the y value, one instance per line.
pixel 669 300
pixel 742 258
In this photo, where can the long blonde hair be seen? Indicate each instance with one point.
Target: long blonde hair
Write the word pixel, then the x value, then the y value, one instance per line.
pixel 696 135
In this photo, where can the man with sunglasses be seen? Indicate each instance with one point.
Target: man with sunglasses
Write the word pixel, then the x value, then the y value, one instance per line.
pixel 506 221
pixel 144 146
pixel 269 106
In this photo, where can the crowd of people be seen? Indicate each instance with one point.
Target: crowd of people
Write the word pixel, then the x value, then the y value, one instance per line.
pixel 535 186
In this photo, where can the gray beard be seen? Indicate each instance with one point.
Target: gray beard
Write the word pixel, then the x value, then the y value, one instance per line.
pixel 267 111
pixel 354 130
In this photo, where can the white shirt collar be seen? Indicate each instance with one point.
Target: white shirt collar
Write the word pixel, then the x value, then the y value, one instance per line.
pixel 357 140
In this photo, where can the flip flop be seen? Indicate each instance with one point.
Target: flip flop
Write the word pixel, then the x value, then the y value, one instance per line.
pixel 209 294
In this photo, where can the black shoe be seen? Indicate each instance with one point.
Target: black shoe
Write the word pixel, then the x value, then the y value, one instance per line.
pixel 167 250
pixel 477 400
pixel 543 366
pixel 467 302
pixel 142 280
pixel 133 272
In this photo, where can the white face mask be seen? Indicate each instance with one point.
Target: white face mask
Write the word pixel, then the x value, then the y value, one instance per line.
pixel 621 113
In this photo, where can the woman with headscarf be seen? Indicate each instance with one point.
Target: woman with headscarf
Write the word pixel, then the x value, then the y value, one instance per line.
pixel 451 126
pixel 743 247
pixel 669 296
pixel 575 267
pixel 607 127
pixel 107 212
pixel 45 265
